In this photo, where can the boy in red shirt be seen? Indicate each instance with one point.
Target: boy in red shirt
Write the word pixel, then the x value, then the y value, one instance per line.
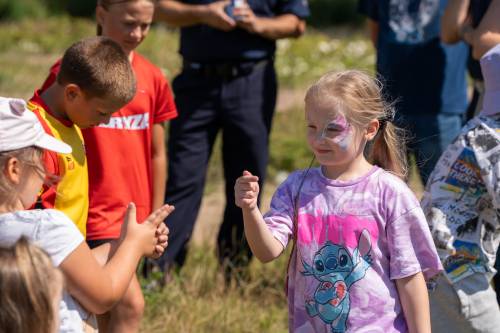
pixel 126 156
pixel 84 95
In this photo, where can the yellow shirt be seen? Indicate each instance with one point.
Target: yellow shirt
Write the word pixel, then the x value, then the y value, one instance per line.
pixel 70 194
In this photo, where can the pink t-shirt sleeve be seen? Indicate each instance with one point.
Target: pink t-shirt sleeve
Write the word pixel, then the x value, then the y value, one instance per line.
pixel 411 247
pixel 279 218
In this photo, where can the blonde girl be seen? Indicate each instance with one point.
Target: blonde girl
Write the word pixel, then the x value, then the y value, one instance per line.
pixel 31 289
pixel 94 287
pixel 362 248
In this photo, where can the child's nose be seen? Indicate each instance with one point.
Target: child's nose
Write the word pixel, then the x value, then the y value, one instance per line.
pixel 136 32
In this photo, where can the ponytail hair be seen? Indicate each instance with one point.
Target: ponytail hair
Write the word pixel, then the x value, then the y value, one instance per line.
pixel 358 96
pixel 389 150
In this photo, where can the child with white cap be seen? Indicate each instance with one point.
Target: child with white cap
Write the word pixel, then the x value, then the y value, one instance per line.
pixel 22 174
pixel 462 205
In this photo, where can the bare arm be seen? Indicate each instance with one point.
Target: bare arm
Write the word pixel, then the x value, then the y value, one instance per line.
pixel 281 26
pixel 415 301
pixel 178 14
pixel 373 29
pixel 487 34
pixel 96 287
pixel 454 21
pixel 159 161
pixel 262 242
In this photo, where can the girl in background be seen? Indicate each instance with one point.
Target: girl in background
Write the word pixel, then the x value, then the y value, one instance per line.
pixel 362 248
pixel 31 289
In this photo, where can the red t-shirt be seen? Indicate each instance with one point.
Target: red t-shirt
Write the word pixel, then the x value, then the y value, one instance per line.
pixel 119 152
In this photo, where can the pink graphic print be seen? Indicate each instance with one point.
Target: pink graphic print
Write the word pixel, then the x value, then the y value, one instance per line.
pixel 345 230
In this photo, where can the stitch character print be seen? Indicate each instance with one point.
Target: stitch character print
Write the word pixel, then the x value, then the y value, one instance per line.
pixel 336 270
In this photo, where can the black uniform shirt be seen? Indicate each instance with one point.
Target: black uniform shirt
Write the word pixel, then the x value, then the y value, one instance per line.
pixel 201 43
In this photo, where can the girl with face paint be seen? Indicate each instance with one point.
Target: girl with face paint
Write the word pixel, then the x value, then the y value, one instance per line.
pixel 359 235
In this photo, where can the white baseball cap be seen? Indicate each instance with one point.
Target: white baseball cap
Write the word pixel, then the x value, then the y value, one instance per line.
pixel 20 128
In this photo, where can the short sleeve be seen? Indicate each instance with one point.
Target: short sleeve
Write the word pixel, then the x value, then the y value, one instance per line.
pixel 411 247
pixel 369 8
pixel 300 8
pixel 165 108
pixel 279 218
pixel 57 235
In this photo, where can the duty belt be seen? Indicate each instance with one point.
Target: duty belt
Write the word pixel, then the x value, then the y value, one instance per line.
pixel 226 70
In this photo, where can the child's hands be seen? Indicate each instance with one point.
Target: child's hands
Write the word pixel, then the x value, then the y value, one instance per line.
pixel 145 235
pixel 162 238
pixel 246 191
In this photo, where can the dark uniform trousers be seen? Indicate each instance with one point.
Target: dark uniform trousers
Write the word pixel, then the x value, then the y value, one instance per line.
pixel 238 99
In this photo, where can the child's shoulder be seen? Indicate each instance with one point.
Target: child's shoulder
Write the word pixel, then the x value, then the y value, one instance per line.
pixel 42 215
pixel 143 64
pixel 391 185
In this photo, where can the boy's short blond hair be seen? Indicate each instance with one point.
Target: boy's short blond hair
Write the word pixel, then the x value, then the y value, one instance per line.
pixel 100 68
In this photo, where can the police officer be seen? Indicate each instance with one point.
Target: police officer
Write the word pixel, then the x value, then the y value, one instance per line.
pixel 228 83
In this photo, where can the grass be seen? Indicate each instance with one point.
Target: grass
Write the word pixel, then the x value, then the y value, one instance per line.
pixel 197 300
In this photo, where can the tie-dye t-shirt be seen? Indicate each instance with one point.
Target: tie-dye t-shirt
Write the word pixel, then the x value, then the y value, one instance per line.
pixel 354 239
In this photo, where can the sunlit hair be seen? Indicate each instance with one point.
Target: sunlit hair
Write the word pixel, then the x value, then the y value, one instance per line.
pixel 107 3
pixel 358 96
pixel 29 157
pixel 30 286
pixel 100 68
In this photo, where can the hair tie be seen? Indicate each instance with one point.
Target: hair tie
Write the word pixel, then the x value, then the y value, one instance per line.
pixel 389 116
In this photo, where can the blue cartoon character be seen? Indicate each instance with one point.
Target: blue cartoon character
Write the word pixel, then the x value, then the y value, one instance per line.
pixel 337 270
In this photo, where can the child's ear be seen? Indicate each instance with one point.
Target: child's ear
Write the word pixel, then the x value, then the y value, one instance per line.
pixel 372 129
pixel 99 15
pixel 72 92
pixel 12 170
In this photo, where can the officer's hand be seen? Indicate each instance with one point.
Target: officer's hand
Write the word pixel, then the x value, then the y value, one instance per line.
pixel 215 16
pixel 247 20
pixel 246 191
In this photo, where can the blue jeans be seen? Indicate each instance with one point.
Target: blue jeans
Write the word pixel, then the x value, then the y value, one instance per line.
pixel 428 137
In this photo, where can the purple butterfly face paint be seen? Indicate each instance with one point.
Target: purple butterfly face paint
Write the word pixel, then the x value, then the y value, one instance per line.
pixel 338 131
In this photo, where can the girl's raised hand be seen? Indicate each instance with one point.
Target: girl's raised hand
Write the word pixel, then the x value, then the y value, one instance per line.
pixel 246 191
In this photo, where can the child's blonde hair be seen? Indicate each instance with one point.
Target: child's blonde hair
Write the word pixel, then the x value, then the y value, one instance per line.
pixel 106 3
pixel 30 285
pixel 28 156
pixel 358 96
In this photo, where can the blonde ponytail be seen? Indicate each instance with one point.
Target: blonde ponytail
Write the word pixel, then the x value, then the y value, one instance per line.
pixel 389 150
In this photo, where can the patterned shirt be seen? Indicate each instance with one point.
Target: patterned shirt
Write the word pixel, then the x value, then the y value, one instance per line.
pixel 354 238
pixel 462 200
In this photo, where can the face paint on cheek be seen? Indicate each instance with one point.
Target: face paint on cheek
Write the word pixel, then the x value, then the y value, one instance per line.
pixel 338 131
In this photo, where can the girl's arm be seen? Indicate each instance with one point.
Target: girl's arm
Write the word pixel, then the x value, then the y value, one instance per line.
pixel 96 287
pixel 262 242
pixel 159 165
pixel 415 301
